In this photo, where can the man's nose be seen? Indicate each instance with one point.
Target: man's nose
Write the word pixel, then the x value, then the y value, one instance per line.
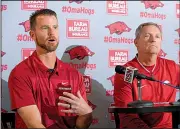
pixel 152 38
pixel 51 31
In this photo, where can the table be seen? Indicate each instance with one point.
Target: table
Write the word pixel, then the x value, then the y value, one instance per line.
pixel 174 109
pixel 7 120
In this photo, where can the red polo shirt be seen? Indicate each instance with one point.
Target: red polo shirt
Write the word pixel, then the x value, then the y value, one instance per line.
pixel 31 83
pixel 124 93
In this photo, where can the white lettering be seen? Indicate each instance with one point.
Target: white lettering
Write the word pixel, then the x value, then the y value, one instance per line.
pixel 79 29
pixel 80 24
pixel 120 54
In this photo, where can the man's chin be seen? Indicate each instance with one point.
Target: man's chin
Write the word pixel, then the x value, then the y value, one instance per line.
pixel 52 48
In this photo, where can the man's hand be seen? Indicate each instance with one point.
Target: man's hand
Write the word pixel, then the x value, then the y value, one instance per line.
pixel 76 104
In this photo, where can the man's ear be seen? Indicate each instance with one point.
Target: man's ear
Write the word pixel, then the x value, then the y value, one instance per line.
pixel 135 42
pixel 31 33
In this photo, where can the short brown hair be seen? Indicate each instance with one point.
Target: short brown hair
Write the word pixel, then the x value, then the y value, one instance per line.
pixel 37 13
pixel 138 30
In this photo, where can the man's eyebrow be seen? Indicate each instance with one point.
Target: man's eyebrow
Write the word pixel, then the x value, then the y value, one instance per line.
pixel 44 26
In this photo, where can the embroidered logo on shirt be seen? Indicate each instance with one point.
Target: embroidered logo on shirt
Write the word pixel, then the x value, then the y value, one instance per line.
pixel 64 83
pixel 143 85
pixel 166 82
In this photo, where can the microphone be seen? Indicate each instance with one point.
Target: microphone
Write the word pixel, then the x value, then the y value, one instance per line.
pixel 131 73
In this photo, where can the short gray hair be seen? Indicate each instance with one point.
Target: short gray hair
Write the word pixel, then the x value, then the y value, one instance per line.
pixel 138 30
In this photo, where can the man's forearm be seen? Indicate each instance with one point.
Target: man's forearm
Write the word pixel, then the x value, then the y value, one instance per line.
pixel 84 121
pixel 35 125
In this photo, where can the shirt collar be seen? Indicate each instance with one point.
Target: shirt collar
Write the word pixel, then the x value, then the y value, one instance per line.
pixel 38 63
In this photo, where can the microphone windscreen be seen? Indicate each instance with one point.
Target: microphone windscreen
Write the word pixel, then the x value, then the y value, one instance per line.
pixel 119 69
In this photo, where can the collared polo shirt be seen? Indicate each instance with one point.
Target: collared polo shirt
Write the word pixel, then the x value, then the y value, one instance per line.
pixel 32 83
pixel 124 93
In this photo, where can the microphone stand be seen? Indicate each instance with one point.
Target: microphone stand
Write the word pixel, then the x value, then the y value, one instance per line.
pixel 140 102
pixel 177 87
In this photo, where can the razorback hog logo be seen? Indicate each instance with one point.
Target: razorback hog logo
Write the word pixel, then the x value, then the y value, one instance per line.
pixel 79 52
pixel 118 28
pixel 178 30
pixel 111 79
pixel 77 1
pixel 26 25
pixel 2 53
pixel 162 53
pixel 152 4
pixel 3 111
pixel 91 105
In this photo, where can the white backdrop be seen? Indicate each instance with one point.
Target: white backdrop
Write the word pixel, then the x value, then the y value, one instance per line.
pixel 90 24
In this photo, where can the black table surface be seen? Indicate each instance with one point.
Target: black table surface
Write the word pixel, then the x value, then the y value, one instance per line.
pixel 156 108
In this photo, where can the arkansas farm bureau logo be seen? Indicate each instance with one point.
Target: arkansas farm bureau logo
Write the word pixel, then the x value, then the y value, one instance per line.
pixel 26 52
pixel 24 37
pixel 78 28
pixel 117 29
pixel 117 57
pixel 33 5
pixel 177 41
pixel 79 53
pixel 152 5
pixel 3 66
pixel 117 7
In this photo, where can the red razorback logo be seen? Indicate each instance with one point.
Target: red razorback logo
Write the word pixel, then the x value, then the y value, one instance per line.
pixel 178 30
pixel 152 4
pixel 118 28
pixel 26 25
pixel 77 1
pixel 91 105
pixel 79 52
pixel 111 79
pixel 3 110
pixel 162 53
pixel 2 53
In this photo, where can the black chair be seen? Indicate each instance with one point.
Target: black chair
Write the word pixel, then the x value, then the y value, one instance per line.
pixel 7 120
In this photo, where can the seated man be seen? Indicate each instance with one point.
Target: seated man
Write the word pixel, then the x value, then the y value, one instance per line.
pixel 45 92
pixel 148 42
